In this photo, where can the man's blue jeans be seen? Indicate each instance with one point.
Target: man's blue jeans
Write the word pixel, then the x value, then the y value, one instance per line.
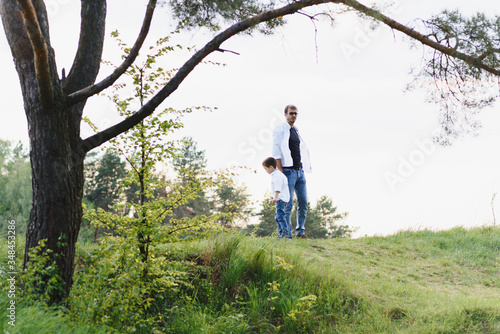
pixel 284 231
pixel 297 185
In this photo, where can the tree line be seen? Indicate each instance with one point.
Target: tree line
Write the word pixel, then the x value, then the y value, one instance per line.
pixel 105 189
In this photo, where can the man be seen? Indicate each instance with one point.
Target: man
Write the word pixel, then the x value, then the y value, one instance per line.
pixel 292 158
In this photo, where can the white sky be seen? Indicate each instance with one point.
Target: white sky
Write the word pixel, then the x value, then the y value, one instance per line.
pixel 358 123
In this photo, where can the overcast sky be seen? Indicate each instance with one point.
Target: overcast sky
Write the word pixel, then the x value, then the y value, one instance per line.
pixel 370 142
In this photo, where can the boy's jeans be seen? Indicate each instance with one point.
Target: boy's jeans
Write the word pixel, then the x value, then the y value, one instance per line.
pixel 297 185
pixel 284 230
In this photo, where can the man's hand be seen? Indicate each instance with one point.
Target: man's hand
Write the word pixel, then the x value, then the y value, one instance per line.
pixel 279 165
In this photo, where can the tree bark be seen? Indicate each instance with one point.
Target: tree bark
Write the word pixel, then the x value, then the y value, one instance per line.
pixel 53 127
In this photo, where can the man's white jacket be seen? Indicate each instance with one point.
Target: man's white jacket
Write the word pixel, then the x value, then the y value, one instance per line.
pixel 281 150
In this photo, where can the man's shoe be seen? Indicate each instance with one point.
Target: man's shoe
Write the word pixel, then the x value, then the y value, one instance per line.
pixel 301 236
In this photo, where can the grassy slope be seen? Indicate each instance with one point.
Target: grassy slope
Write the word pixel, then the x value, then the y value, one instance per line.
pixel 415 282
pixel 411 282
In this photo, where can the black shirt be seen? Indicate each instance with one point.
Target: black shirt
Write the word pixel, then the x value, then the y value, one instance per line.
pixel 294 145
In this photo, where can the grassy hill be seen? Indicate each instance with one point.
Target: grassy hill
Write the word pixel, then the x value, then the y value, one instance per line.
pixel 411 282
pixel 416 282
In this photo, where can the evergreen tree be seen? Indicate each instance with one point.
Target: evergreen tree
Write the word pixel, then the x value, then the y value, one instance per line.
pixel 322 222
pixel 267 221
pixel 15 187
pixel 191 162
pixel 103 180
pixel 231 198
pixel 190 166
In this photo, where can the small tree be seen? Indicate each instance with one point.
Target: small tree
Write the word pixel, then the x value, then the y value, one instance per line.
pixel 128 273
pixel 145 147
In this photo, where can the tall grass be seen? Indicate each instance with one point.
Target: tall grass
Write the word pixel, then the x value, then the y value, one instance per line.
pixel 256 282
pixel 38 319
pixel 410 282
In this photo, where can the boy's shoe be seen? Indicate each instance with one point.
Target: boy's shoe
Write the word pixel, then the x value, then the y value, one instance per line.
pixel 301 236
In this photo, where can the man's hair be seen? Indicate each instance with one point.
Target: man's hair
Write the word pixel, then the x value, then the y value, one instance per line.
pixel 290 106
pixel 269 162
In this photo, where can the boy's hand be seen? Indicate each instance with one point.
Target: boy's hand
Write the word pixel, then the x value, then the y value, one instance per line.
pixel 275 199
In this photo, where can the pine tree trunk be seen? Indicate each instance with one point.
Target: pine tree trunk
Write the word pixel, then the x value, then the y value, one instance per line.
pixel 56 152
pixel 57 191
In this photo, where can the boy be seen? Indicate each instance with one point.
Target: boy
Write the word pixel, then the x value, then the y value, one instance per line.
pixel 279 187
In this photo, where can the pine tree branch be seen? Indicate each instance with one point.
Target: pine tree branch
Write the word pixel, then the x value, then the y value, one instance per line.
pixel 87 61
pixel 214 45
pixel 40 51
pixel 134 52
pixel 476 62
